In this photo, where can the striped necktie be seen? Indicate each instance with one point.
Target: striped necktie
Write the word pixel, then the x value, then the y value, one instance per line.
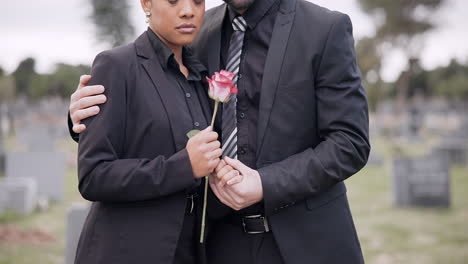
pixel 229 124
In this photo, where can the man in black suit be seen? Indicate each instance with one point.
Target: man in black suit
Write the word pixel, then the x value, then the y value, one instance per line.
pixel 301 129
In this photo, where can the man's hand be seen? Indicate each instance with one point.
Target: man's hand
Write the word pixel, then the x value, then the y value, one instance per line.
pixel 84 101
pixel 241 194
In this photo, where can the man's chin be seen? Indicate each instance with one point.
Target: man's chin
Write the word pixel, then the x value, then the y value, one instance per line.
pixel 239 5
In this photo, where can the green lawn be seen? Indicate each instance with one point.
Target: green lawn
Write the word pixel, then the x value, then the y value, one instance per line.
pixel 387 234
pixel 408 235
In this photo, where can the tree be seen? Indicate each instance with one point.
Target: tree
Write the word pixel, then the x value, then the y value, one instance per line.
pixel 369 61
pixel 62 82
pixel 451 81
pixel 7 89
pixel 112 21
pixel 39 86
pixel 400 24
pixel 65 78
pixel 24 75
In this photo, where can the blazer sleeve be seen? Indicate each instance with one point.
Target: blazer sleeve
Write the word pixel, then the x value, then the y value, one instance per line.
pixel 342 123
pixel 73 135
pixel 103 174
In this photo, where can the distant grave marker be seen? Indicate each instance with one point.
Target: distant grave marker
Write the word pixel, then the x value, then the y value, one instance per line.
pixel 421 182
pixel 18 195
pixel 2 156
pixel 76 217
pixel 47 168
pixel 375 160
pixel 455 149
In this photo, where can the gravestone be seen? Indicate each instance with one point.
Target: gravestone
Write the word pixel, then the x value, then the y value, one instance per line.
pixel 47 168
pixel 455 149
pixel 375 160
pixel 19 195
pixel 36 138
pixel 421 182
pixel 76 217
pixel 2 156
pixel 3 199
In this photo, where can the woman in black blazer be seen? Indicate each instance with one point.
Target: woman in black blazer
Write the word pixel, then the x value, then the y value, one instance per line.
pixel 135 161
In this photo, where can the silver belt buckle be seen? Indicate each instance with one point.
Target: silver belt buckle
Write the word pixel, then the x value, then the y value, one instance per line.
pixel 265 224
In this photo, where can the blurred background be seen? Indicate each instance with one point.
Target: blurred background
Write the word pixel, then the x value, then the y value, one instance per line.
pixel 410 203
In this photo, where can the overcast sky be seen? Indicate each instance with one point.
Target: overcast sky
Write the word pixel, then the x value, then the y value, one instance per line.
pixel 54 31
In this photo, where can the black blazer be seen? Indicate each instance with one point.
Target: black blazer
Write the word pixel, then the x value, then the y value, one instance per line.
pixel 132 162
pixel 312 129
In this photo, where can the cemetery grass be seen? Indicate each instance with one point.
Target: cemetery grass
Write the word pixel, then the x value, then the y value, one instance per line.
pixel 50 222
pixel 387 234
pixel 408 235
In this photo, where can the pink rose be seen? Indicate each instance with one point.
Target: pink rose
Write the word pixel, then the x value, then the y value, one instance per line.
pixel 221 86
pixel 221 89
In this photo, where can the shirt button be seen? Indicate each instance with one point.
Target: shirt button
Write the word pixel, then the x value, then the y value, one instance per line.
pixel 242 115
pixel 239 76
pixel 242 151
pixel 188 95
pixel 197 124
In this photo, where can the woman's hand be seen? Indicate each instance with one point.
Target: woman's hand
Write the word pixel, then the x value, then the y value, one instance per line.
pixel 227 174
pixel 204 152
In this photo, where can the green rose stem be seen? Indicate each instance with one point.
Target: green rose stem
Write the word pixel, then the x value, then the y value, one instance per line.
pixel 205 195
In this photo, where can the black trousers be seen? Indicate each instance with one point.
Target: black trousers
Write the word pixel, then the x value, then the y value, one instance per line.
pixel 228 243
pixel 186 246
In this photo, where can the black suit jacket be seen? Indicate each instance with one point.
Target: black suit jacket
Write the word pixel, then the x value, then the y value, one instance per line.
pixel 132 161
pixel 312 129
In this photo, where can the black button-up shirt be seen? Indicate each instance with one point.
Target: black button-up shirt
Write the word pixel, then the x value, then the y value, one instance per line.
pixel 190 90
pixel 189 87
pixel 260 18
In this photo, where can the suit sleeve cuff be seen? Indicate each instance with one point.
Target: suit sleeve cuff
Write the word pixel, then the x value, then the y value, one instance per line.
pixel 73 135
pixel 270 199
pixel 181 176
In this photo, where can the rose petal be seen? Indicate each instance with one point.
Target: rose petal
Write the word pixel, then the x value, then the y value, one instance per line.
pixel 228 74
pixel 234 89
pixel 220 92
pixel 211 88
pixel 221 86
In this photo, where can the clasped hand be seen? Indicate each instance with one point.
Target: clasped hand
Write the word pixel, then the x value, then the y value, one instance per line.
pixel 235 184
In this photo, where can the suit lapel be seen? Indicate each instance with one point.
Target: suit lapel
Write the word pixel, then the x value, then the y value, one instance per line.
pixel 214 41
pixel 163 87
pixel 214 54
pixel 273 64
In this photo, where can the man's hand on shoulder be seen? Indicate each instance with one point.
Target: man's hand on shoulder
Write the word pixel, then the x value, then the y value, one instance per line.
pixel 84 103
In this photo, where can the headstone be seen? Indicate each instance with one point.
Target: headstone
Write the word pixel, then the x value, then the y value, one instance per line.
pixel 410 126
pixel 375 160
pixel 2 156
pixel 455 149
pixel 20 195
pixel 2 147
pixel 421 182
pixel 76 217
pixel 3 200
pixel 36 138
pixel 47 168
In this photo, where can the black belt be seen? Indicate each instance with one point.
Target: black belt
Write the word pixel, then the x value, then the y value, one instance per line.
pixel 251 224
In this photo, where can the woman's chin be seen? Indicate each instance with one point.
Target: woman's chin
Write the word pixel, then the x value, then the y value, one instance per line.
pixel 184 39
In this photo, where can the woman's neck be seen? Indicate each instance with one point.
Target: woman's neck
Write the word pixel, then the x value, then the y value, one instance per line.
pixel 177 50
